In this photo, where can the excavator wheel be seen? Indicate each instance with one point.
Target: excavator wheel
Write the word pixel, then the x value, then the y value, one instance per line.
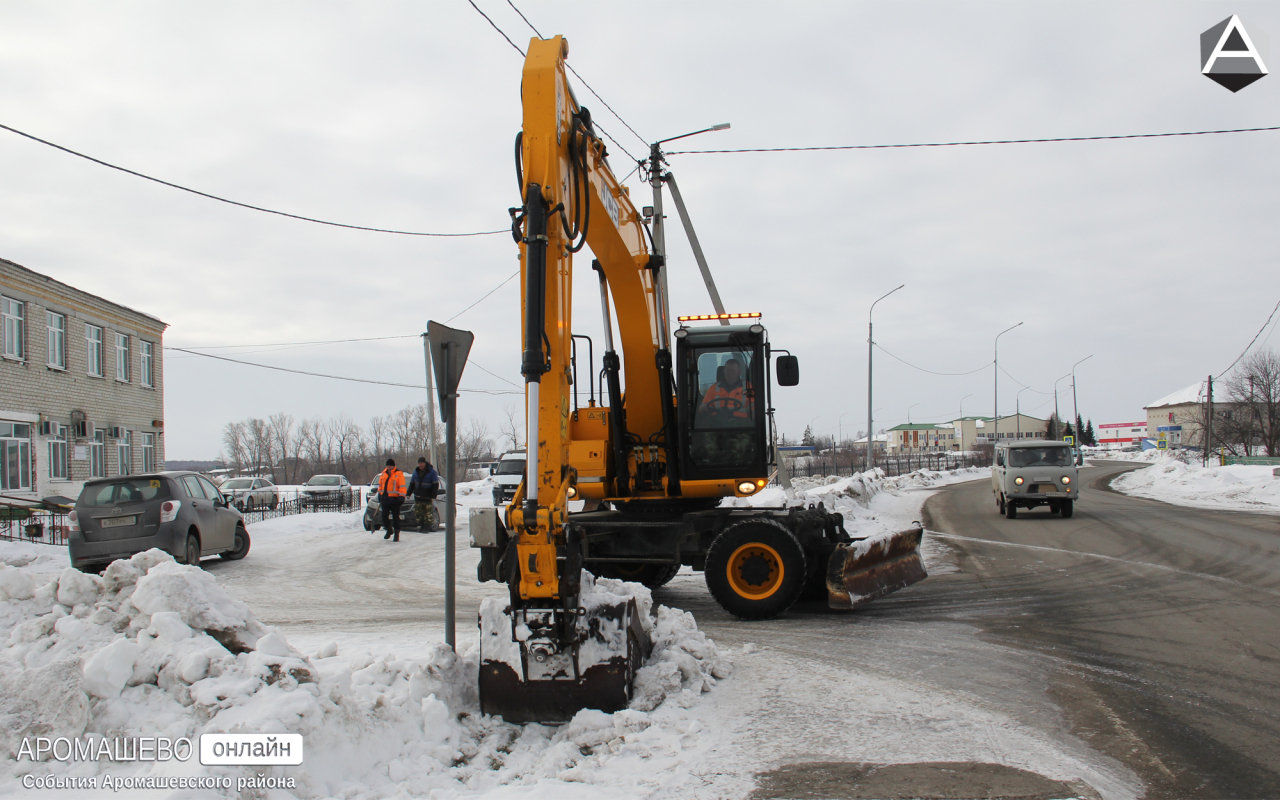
pixel 650 575
pixel 756 569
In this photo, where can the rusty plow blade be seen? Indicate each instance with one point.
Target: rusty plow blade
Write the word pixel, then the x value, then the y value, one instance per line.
pixel 859 572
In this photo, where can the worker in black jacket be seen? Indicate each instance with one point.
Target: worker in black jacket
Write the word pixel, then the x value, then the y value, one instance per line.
pixel 424 485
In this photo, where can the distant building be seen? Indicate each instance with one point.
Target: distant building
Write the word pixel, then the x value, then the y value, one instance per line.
pixel 964 433
pixel 81 387
pixel 1178 418
pixel 1121 433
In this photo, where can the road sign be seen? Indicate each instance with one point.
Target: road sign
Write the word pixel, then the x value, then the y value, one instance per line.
pixel 1069 439
pixel 449 351
pixel 1162 444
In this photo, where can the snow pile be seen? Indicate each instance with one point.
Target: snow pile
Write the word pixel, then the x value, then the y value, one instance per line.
pixel 153 648
pixel 1172 480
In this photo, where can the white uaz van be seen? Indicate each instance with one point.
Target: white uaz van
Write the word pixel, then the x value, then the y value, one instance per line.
pixel 1035 472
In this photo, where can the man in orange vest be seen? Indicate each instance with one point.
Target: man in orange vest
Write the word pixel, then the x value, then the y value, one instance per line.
pixel 730 400
pixel 391 491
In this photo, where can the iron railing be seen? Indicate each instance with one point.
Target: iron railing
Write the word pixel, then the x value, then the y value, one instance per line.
pixel 892 463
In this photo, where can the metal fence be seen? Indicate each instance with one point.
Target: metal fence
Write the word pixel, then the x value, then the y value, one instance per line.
pixel 41 526
pixel 296 503
pixel 892 463
pixel 1251 461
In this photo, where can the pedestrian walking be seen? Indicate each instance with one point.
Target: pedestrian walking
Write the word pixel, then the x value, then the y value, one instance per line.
pixel 424 486
pixel 391 491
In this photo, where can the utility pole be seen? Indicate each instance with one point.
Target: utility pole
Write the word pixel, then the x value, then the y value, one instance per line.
pixel 1053 434
pixel 962 399
pixel 1017 409
pixel 871 342
pixel 1208 424
pixel 1075 409
pixel 996 377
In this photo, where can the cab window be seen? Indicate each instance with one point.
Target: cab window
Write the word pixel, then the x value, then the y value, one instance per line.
pixel 724 394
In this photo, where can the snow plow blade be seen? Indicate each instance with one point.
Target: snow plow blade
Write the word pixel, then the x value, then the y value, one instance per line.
pixel 597 671
pixel 859 572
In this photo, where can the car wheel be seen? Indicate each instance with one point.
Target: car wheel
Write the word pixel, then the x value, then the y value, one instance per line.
pixel 241 547
pixel 239 505
pixel 497 497
pixel 248 504
pixel 192 555
pixel 1000 503
pixel 1068 508
pixel 275 501
pixel 1010 510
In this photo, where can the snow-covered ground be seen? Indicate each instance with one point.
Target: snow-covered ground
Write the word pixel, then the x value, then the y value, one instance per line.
pixel 328 631
pixel 1171 480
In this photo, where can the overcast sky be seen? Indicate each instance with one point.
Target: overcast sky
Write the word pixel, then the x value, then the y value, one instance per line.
pixel 1158 257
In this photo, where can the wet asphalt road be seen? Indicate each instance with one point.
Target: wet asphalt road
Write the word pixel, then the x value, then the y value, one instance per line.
pixel 1158 626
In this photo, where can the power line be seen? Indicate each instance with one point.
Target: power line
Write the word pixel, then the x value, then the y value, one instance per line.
pixel 482 299
pixel 643 140
pixel 931 372
pixel 969 144
pixel 1020 383
pixel 288 344
pixel 1251 341
pixel 499 30
pixel 331 377
pixel 180 187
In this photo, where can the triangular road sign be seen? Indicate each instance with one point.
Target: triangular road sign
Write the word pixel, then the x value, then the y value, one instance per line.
pixel 449 350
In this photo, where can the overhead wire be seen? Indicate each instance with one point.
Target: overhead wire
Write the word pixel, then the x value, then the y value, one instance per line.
pixel 229 201
pixel 1251 341
pixel 922 369
pixel 486 296
pixel 972 143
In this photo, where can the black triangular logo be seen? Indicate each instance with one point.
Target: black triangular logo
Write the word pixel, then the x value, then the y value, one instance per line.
pixel 1235 41
pixel 1233 81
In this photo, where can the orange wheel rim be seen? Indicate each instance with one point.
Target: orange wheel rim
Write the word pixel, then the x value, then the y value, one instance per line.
pixel 755 571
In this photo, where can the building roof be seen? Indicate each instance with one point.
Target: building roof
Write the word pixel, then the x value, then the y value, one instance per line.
pixel 1192 394
pixel 47 279
pixel 920 426
pixel 880 437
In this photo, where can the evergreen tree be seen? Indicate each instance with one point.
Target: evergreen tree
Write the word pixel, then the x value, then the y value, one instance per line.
pixel 1080 431
pixel 1068 431
pixel 807 439
pixel 1053 430
pixel 1090 438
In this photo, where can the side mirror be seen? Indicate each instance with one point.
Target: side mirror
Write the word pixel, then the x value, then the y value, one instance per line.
pixel 788 370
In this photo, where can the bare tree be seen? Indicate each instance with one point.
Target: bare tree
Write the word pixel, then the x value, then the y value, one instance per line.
pixel 474 445
pixel 236 446
pixel 512 428
pixel 282 433
pixel 1254 393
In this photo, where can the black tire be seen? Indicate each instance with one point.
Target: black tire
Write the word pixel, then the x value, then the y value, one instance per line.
pixel 497 497
pixel 368 526
pixel 248 505
pixel 760 549
pixel 1010 510
pixel 275 501
pixel 1068 508
pixel 191 555
pixel 241 548
pixel 240 506
pixel 650 575
pixel 1000 503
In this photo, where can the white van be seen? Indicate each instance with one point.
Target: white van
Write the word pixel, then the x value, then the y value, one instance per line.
pixel 1035 472
pixel 507 474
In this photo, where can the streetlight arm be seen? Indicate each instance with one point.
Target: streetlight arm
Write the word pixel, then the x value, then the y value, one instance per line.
pixel 723 126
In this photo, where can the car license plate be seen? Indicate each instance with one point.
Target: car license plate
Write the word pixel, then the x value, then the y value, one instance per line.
pixel 119 522
pixel 1043 479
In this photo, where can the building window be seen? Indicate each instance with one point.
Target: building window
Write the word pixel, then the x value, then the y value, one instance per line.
pixel 124 454
pixel 56 336
pixel 122 357
pixel 148 452
pixel 15 456
pixel 146 363
pixel 12 312
pixel 58 453
pixel 98 454
pixel 93 347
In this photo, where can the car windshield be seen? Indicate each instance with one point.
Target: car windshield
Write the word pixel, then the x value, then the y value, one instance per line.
pixel 324 480
pixel 237 483
pixel 1040 457
pixel 511 467
pixel 124 492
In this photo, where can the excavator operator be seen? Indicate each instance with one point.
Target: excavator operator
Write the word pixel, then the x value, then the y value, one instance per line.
pixel 729 401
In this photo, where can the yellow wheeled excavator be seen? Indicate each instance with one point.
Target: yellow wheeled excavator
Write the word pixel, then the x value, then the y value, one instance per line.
pixel 652 463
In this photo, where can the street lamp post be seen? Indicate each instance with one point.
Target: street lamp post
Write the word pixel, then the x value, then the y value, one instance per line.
pixel 1075 409
pixel 1017 409
pixel 1057 416
pixel 962 399
pixel 840 440
pixel 996 380
pixel 871 342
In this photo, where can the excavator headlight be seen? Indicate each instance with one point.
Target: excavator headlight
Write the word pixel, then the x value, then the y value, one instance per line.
pixel 746 487
pixel 757 329
pixel 572 493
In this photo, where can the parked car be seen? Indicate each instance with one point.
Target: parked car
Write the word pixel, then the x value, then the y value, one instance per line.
pixel 247 494
pixel 507 475
pixel 179 512
pixel 408 521
pixel 327 490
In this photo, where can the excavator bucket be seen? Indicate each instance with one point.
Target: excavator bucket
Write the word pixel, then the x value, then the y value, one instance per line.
pixel 528 674
pixel 861 571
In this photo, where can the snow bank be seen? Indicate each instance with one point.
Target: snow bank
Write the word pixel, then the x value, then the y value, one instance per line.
pixel 1236 487
pixel 156 648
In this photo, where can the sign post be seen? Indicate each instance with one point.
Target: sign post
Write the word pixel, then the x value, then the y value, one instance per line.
pixel 449 351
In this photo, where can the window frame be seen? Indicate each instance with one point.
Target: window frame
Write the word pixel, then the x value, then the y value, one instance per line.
pixel 122 356
pixel 94 355
pixel 148 446
pixel 59 468
pixel 124 454
pixel 147 363
pixel 58 335
pixel 13 328
pixel 98 453
pixel 20 443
